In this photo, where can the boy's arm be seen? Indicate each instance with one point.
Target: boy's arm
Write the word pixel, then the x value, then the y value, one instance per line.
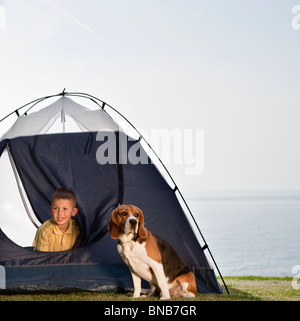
pixel 41 242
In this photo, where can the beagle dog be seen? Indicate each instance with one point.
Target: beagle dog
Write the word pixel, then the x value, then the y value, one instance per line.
pixel 149 257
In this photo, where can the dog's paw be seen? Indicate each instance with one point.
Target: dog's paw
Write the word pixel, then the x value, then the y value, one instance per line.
pixel 188 295
pixel 165 297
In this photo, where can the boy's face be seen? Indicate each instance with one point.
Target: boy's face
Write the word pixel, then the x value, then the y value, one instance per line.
pixel 62 210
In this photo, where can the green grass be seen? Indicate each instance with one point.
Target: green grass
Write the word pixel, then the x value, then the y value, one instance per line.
pixel 249 288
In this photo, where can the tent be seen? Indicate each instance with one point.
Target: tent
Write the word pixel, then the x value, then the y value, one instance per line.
pixel 94 161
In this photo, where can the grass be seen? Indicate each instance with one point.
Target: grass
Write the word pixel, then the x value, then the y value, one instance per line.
pixel 249 288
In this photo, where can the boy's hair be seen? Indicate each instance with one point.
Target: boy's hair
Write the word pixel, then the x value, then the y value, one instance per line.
pixel 64 193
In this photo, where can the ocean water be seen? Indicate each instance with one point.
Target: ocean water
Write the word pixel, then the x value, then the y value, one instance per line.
pixel 250 233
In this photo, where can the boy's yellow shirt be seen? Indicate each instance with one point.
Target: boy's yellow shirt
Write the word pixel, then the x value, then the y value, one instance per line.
pixel 49 238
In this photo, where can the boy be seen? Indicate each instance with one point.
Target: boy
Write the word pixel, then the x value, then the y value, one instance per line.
pixel 61 232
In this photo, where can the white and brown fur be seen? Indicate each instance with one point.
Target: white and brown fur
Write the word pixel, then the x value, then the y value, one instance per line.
pixel 149 257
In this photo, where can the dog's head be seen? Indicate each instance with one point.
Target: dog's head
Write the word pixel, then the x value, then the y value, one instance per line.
pixel 127 219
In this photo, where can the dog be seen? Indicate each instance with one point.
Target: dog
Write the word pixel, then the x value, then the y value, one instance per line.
pixel 149 257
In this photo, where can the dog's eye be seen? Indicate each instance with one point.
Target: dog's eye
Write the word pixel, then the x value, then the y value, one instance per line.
pixel 123 213
pixel 136 214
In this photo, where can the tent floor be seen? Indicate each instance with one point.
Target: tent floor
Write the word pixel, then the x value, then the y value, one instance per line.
pixel 88 277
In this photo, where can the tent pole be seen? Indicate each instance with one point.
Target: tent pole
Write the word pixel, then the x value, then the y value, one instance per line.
pixel 34 102
pixel 217 269
pixel 205 243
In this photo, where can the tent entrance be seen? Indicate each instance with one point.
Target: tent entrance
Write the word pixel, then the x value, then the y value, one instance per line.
pixel 13 221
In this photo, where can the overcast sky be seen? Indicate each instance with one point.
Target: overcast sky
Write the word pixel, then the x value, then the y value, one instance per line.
pixel 228 67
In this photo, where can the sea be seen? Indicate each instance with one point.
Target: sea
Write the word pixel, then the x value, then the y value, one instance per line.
pixel 250 233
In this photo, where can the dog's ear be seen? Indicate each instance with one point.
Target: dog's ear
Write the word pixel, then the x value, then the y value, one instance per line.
pixel 143 232
pixel 113 227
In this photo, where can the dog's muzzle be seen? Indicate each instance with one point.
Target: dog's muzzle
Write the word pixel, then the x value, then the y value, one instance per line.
pixel 131 225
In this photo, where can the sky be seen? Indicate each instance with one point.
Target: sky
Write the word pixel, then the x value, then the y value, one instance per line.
pixel 227 70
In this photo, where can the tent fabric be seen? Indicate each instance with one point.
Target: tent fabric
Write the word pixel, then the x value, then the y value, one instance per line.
pixel 46 162
pixel 41 121
pixel 28 271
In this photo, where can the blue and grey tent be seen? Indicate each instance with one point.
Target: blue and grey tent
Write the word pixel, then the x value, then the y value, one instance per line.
pixel 93 161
